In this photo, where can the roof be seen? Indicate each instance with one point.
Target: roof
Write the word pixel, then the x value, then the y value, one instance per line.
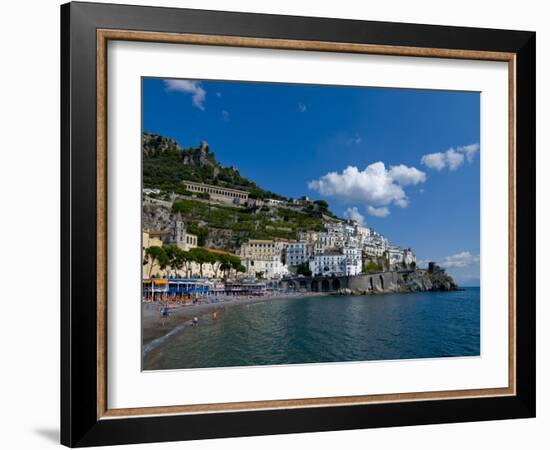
pixel 332 252
pixel 211 186
pixel 217 251
pixel 157 232
pixel 155 281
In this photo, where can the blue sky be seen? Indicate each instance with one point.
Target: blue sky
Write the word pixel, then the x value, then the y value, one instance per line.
pixel 404 161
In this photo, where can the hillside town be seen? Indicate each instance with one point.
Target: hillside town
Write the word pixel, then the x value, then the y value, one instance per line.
pixel 341 248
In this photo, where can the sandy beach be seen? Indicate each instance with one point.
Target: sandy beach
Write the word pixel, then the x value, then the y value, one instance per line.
pixel 154 328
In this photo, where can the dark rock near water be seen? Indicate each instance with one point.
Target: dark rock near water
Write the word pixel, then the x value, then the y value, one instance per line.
pixel 422 280
pixel 403 281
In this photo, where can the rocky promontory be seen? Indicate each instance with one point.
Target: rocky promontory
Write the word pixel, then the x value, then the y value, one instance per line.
pixel 424 280
pixel 413 280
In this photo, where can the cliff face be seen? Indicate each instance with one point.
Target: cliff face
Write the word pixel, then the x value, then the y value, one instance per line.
pixel 406 281
pixel 154 144
pixel 200 157
pixel 421 280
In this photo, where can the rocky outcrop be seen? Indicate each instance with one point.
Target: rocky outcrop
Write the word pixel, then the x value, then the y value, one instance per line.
pixel 156 217
pixel 154 144
pixel 399 281
pixel 423 280
pixel 200 157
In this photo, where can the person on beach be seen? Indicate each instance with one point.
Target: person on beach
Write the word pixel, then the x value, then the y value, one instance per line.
pixel 195 321
pixel 164 313
pixel 215 315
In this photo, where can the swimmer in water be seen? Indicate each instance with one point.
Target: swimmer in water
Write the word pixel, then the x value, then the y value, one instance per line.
pixel 195 321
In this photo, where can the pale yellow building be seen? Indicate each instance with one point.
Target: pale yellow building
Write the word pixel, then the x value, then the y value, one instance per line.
pixel 263 248
pixel 152 238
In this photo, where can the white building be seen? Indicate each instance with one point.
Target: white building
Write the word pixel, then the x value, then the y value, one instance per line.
pixel 330 262
pixel 308 236
pixel 148 191
pixel 347 229
pixel 363 232
pixel 331 239
pixel 270 267
pixel 399 256
pixel 408 256
pixel 353 261
pixel 372 250
pixel 298 253
pixel 337 262
pixel 274 202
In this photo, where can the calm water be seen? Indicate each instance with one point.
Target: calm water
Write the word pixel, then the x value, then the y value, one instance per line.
pixel 328 329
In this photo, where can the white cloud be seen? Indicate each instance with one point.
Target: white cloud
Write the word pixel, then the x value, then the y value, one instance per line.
pixel 406 176
pixel 452 158
pixel 462 259
pixel 354 214
pixel 374 186
pixel 302 107
pixel 383 211
pixel 434 160
pixel 198 94
pixel 402 203
pixel 470 151
pixel 354 140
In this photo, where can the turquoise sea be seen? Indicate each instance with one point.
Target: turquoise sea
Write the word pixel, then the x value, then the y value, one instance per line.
pixel 328 329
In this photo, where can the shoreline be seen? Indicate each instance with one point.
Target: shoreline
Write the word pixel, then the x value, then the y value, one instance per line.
pixel 153 328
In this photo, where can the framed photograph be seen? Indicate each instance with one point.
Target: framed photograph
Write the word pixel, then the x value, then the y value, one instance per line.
pixel 276 224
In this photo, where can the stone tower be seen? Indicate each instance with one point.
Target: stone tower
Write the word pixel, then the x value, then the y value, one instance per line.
pixel 178 230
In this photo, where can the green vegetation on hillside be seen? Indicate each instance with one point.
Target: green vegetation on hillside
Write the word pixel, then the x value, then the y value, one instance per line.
pixel 372 267
pixel 166 165
pixel 247 223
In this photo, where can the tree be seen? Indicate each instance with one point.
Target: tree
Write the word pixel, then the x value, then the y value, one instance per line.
pixel 303 269
pixel 200 232
pixel 372 267
pixel 413 265
pixel 186 261
pixel 155 254
pixel 201 256
pixel 171 253
pixel 225 267
pixel 177 258
pixel 231 263
pixel 260 274
pixel 322 204
pixel 220 260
